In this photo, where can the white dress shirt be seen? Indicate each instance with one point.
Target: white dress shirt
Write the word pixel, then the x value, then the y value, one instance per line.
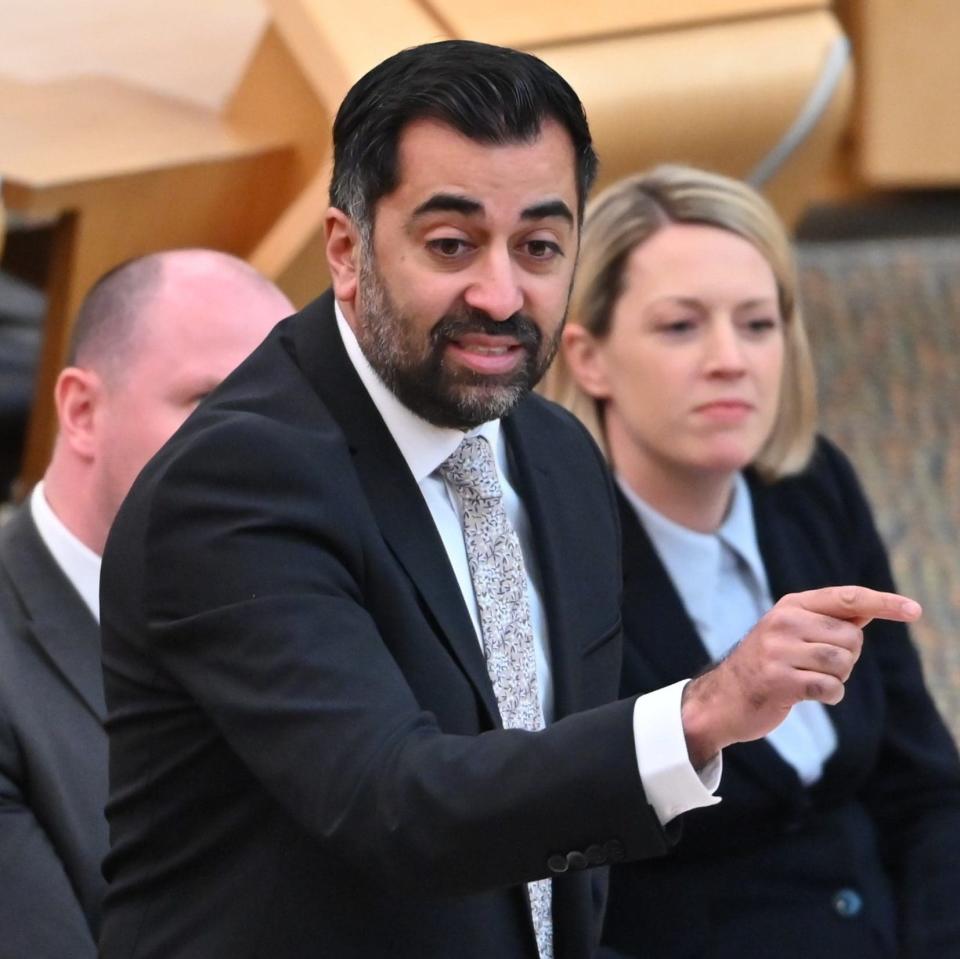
pixel 722 583
pixel 671 784
pixel 80 564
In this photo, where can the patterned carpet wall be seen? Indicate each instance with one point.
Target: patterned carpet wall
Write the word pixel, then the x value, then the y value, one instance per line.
pixel 884 317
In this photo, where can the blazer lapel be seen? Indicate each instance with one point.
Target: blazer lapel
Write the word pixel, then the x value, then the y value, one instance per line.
pixel 661 636
pixel 538 479
pixel 392 493
pixel 57 618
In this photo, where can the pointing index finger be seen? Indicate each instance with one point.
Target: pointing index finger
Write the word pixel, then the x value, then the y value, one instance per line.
pixel 859 605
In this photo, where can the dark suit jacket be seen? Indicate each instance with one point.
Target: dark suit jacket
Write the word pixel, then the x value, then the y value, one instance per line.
pixel 53 756
pixel 306 757
pixel 868 857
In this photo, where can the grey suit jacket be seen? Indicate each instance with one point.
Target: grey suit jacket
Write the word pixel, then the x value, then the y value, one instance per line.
pixel 53 756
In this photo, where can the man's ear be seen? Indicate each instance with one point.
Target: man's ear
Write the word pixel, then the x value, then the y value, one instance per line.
pixel 343 253
pixel 586 359
pixel 78 396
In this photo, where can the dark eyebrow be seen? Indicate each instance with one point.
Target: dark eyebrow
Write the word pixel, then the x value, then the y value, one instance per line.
pixel 449 203
pixel 457 203
pixel 547 209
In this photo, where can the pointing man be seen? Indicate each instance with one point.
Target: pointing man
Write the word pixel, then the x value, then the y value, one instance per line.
pixel 362 616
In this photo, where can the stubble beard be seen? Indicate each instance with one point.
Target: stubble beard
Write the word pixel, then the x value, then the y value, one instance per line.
pixel 418 374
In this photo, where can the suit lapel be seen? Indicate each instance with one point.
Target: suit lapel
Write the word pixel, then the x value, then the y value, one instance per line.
pixel 58 620
pixel 538 478
pixel 395 499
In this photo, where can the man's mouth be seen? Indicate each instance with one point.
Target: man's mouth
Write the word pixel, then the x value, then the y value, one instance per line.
pixel 490 355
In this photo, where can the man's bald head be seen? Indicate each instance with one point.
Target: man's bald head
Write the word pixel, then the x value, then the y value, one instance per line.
pixel 152 338
pixel 105 331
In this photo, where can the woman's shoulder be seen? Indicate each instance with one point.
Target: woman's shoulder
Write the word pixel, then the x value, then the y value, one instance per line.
pixel 828 481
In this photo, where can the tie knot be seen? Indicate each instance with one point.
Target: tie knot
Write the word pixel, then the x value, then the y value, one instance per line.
pixel 471 469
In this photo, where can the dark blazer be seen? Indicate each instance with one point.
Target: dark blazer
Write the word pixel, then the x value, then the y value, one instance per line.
pixel 866 863
pixel 53 756
pixel 306 756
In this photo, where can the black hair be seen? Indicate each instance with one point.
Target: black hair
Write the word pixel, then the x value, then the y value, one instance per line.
pixel 490 94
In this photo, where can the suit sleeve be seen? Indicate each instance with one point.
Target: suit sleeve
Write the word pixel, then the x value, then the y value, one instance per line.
pixel 914 791
pixel 40 915
pixel 279 649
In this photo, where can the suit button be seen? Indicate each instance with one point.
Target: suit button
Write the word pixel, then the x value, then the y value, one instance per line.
pixel 557 863
pixel 576 860
pixel 615 850
pixel 847 903
pixel 596 855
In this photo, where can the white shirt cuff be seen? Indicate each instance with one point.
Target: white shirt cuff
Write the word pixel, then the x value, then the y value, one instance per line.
pixel 671 784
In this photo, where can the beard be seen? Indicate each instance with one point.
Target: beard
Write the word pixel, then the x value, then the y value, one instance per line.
pixel 417 371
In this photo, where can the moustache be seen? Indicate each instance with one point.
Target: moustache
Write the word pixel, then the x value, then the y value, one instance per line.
pixel 519 327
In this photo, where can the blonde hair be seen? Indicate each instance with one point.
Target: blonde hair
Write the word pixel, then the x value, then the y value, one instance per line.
pixel 623 217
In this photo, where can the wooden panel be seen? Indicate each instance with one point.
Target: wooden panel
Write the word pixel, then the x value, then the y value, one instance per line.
pixel 531 23
pixel 184 48
pixel 717 96
pixel 908 129
pixel 274 99
pixel 335 43
pixel 66 132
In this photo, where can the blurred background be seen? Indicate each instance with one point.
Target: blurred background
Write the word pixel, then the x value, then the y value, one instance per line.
pixel 139 125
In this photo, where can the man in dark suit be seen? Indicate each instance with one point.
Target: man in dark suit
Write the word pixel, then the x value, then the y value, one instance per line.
pixel 151 338
pixel 361 616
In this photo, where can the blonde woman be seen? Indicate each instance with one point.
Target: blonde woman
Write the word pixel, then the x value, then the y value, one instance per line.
pixel 686 355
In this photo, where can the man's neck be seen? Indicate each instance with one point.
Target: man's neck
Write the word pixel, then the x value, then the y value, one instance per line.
pixel 70 499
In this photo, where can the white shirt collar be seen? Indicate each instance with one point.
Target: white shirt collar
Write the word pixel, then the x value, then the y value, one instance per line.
pixel 423 445
pixel 739 531
pixel 80 564
pixel 693 559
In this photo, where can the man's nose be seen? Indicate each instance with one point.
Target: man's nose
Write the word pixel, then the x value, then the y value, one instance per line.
pixel 495 288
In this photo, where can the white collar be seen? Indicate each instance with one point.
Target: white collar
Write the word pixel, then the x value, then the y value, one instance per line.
pixel 693 559
pixel 423 445
pixel 79 563
pixel 739 531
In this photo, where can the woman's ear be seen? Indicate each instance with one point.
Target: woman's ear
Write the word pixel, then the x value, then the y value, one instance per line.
pixel 586 359
pixel 78 395
pixel 343 252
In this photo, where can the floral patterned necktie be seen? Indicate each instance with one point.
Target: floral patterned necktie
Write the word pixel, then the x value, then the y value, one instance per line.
pixel 500 586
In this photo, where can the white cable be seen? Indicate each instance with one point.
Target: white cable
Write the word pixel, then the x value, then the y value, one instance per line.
pixel 809 115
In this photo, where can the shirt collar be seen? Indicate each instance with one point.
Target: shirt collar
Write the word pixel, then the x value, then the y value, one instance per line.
pixel 79 563
pixel 693 559
pixel 423 445
pixel 739 531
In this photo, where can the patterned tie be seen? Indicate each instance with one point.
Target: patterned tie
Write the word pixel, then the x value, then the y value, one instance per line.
pixel 500 587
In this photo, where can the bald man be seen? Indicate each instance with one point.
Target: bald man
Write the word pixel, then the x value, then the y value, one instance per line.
pixel 151 339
